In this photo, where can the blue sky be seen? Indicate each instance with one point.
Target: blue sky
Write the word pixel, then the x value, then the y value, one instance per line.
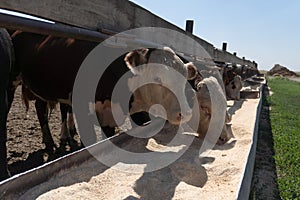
pixel 267 31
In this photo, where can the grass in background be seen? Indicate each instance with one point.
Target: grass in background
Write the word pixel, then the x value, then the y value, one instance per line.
pixel 285 122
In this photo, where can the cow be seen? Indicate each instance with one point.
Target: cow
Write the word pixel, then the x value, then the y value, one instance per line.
pixel 203 107
pixel 232 81
pixel 49 66
pixel 204 96
pixel 233 88
pixel 68 129
pixel 6 64
pixel 213 76
pixel 245 71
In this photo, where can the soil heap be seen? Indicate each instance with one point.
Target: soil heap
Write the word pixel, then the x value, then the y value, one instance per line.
pixel 279 70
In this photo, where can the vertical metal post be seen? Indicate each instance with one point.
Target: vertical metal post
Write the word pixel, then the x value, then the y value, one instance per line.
pixel 224 46
pixel 189 26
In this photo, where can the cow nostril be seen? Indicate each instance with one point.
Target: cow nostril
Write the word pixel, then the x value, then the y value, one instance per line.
pixel 180 116
pixel 184 116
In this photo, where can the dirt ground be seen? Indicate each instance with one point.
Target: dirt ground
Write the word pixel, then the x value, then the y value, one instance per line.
pixel 295 79
pixel 24 137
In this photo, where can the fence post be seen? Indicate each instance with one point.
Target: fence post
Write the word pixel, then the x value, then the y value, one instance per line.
pixel 189 26
pixel 224 46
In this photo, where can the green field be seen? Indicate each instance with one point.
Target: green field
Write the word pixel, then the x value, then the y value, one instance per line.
pixel 285 122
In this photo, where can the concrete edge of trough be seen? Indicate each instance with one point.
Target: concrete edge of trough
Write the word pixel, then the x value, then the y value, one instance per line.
pixel 245 182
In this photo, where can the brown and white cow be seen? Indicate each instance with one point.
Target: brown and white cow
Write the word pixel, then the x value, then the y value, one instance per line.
pixel 211 101
pixel 49 66
pixel 232 82
pixel 163 89
pixel 233 88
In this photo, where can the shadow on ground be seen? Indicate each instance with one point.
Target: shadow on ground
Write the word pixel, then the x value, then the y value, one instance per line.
pixel 264 181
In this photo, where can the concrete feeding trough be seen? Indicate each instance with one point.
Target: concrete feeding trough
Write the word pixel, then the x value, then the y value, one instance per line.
pixel 224 173
pixel 251 87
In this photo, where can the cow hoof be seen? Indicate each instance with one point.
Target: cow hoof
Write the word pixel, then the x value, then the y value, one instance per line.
pixel 4 174
pixel 63 142
pixel 73 132
pixel 50 145
pixel 50 148
pixel 72 143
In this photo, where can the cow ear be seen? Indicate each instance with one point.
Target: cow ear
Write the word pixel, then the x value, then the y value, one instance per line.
pixel 136 58
pixel 192 70
pixel 143 51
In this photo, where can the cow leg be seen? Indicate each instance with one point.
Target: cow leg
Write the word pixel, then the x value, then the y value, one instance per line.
pixel 6 99
pixel 5 69
pixel 42 113
pixel 10 95
pixel 65 130
pixel 71 123
pixel 106 118
pixel 4 173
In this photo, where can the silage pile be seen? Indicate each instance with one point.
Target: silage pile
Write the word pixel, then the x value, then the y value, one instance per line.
pixel 279 70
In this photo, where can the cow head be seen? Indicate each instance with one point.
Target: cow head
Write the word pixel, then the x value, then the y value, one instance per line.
pixel 205 109
pixel 228 74
pixel 233 88
pixel 160 79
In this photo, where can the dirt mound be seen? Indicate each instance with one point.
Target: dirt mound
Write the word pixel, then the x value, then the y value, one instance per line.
pixel 279 70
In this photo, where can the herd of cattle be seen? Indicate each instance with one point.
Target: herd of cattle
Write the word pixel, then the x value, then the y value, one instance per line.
pixel 47 66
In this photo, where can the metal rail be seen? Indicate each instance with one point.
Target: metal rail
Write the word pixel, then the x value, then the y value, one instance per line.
pixel 61 30
pixel 44 28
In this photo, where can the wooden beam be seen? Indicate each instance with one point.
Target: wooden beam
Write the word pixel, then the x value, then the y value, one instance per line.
pixel 113 15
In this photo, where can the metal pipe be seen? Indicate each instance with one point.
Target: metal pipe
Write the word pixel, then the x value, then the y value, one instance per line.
pixel 59 30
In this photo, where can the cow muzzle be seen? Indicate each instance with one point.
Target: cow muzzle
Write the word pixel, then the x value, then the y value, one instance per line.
pixel 183 117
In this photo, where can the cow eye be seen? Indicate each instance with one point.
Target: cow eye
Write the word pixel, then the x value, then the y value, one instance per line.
pixel 157 79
